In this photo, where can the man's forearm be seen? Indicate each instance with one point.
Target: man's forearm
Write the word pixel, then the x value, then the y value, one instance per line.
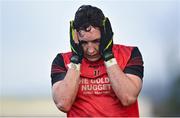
pixel 125 88
pixel 64 92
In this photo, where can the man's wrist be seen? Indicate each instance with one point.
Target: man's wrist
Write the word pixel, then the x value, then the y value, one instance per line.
pixel 110 62
pixel 74 66
pixel 108 55
pixel 75 59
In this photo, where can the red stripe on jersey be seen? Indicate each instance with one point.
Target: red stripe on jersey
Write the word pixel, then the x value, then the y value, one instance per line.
pixel 57 69
pixel 137 61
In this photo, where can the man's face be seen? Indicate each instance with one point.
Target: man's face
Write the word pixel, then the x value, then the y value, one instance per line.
pixel 90 42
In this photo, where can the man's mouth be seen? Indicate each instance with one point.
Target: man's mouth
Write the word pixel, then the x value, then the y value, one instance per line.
pixel 92 56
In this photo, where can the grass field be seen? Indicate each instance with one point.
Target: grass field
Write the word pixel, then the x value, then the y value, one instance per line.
pixel 13 107
pixel 32 107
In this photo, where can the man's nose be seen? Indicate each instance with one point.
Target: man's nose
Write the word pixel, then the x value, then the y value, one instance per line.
pixel 90 47
pixel 89 44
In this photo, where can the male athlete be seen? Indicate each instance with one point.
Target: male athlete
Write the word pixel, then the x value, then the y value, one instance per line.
pixel 97 78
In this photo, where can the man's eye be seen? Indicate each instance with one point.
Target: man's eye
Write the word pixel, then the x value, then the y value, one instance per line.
pixel 96 41
pixel 84 42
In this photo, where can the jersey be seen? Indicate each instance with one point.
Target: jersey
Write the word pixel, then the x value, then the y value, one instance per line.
pixel 95 95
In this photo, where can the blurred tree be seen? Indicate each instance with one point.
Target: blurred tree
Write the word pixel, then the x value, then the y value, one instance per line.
pixel 170 106
pixel 173 102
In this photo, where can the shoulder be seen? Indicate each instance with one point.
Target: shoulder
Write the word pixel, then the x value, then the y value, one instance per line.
pixel 130 59
pixel 122 51
pixel 118 47
pixel 126 50
pixel 61 58
pixel 63 55
pixel 125 53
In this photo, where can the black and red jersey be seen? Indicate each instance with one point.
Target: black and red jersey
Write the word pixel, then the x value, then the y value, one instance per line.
pixel 95 95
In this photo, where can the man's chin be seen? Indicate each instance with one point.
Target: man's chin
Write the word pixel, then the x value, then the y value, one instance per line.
pixel 93 59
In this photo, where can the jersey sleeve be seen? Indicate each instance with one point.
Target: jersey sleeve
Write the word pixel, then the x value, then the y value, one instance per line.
pixel 58 70
pixel 135 64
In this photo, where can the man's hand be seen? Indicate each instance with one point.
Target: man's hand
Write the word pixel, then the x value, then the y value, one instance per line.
pixel 106 42
pixel 76 47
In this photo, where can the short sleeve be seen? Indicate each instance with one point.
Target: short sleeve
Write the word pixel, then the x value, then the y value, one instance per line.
pixel 58 70
pixel 135 64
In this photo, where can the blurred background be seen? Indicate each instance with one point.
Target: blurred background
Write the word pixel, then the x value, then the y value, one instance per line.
pixel 34 31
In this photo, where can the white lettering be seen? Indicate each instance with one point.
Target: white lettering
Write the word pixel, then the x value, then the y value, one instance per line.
pixel 84 81
pixel 99 80
pixel 95 87
pixel 93 81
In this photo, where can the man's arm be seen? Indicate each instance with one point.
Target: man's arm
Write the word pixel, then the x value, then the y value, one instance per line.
pixel 64 83
pixel 125 86
pixel 128 83
pixel 65 91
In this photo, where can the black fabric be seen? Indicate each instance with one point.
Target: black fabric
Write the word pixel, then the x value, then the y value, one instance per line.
pixel 135 64
pixel 58 70
pixel 135 70
pixel 57 77
pixel 59 61
pixel 135 53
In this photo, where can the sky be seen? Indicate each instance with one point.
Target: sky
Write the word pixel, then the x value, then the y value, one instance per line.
pixel 33 32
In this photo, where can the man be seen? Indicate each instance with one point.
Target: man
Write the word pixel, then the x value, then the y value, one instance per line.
pixel 97 78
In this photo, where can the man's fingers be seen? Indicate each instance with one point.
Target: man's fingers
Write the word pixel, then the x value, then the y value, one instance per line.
pixel 76 39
